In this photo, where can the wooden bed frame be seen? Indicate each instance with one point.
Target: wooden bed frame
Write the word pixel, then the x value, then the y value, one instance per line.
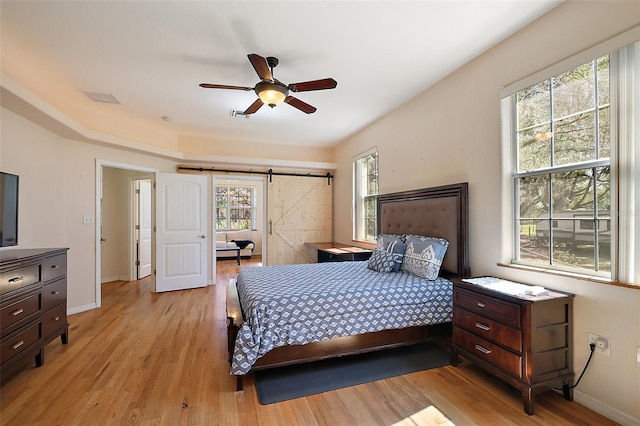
pixel 438 212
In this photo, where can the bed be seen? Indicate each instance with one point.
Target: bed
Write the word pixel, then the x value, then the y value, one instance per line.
pixel 440 212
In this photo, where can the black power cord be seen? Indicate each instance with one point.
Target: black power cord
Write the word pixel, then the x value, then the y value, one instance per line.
pixel 565 388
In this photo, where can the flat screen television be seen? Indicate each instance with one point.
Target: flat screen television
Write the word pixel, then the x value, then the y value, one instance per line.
pixel 8 209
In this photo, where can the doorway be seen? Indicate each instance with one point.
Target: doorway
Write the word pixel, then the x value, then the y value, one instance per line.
pixel 116 233
pixel 142 227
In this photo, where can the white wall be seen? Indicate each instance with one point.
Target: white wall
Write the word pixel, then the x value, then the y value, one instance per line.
pixel 451 133
pixel 57 188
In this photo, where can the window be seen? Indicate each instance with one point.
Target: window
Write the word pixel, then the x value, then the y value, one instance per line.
pixel 570 138
pixel 365 179
pixel 235 208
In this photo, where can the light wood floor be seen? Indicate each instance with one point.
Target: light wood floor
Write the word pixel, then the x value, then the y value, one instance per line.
pixel 156 359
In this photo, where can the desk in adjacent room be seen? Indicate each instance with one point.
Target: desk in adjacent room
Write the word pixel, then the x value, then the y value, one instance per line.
pixel 335 252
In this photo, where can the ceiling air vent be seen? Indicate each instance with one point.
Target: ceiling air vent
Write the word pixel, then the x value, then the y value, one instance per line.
pixel 235 113
pixel 102 97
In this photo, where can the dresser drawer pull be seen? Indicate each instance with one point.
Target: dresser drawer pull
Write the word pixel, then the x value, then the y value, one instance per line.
pixel 18 312
pixel 483 349
pixel 480 305
pixel 15 279
pixel 54 266
pixel 483 326
pixel 56 318
pixel 55 292
pixel 17 345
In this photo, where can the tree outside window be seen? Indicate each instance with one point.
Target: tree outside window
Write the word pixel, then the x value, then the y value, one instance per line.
pixel 365 196
pixel 563 173
pixel 235 208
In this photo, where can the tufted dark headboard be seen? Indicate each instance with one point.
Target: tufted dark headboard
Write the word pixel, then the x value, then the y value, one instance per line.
pixel 440 211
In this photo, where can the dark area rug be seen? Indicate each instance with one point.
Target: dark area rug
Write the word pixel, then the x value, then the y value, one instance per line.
pixel 283 383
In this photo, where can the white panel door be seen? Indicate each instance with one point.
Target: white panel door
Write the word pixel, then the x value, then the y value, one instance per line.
pixel 144 228
pixel 181 229
pixel 298 212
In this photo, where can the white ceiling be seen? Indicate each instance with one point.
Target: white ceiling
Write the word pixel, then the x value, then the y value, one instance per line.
pixel 151 56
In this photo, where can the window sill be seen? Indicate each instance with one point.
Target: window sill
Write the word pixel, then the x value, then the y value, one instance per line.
pixel 590 278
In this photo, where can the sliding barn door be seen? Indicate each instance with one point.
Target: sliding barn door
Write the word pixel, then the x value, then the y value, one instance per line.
pixel 298 212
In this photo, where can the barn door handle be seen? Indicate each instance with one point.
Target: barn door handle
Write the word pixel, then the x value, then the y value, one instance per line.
pixel 270 227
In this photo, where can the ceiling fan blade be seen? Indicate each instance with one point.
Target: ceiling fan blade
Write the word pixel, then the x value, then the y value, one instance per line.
pixel 224 86
pixel 305 86
pixel 261 66
pixel 254 107
pixel 302 106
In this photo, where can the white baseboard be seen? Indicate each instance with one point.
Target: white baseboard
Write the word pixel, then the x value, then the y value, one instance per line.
pixel 82 308
pixel 607 411
pixel 105 280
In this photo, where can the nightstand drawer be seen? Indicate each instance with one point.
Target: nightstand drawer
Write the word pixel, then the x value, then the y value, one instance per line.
pixel 489 352
pixel 505 312
pixel 488 329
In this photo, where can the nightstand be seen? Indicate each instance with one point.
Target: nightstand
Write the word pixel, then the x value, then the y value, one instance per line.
pixel 524 340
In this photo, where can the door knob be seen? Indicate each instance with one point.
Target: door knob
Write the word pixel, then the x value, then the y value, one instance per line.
pixel 202 236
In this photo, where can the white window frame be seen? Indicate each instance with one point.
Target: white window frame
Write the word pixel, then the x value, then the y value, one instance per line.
pixel 625 158
pixel 253 206
pixel 358 196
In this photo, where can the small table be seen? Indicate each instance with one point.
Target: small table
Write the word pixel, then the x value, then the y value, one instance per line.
pixel 334 252
pixel 237 249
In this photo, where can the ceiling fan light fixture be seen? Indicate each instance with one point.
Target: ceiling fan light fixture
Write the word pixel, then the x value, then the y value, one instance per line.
pixel 271 94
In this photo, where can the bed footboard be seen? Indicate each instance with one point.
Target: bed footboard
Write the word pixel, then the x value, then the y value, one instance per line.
pixel 234 322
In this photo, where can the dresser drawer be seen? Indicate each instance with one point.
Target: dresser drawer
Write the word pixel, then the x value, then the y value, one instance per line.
pixel 489 352
pixel 19 278
pixel 15 312
pixel 54 293
pixel 499 310
pixel 54 267
pixel 54 321
pixel 18 343
pixel 488 329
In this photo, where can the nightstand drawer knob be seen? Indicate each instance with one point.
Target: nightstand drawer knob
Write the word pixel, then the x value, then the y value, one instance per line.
pixel 483 349
pixel 17 345
pixel 480 305
pixel 483 326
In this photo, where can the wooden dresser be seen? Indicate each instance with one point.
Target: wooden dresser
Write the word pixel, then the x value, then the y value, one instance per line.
pixel 524 340
pixel 33 304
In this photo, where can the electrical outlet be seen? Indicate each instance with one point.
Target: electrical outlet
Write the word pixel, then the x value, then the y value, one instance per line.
pixel 603 344
pixel 638 356
pixel 87 219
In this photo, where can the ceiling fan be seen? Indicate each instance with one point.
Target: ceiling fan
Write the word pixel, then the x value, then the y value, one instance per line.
pixel 271 91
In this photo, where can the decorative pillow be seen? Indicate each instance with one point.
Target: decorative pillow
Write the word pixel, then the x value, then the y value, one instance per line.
pixel 395 245
pixel 423 256
pixel 381 261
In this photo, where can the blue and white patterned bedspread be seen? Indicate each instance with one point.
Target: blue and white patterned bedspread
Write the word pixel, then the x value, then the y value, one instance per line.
pixel 298 304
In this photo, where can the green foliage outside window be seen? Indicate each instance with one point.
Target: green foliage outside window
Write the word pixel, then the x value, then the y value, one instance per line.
pixel 563 169
pixel 366 191
pixel 235 208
